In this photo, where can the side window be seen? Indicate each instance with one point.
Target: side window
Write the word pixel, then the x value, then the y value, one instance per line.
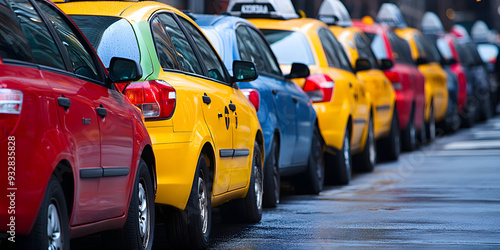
pixel 333 49
pixel 185 53
pixel 13 43
pixel 164 47
pixel 81 58
pixel 420 47
pixel 401 49
pixel 209 56
pixel 245 41
pixel 268 54
pixel 364 49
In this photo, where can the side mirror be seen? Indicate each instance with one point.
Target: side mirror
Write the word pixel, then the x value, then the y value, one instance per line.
pixel 299 70
pixel 244 71
pixel 123 70
pixel 386 64
pixel 362 65
pixel 421 60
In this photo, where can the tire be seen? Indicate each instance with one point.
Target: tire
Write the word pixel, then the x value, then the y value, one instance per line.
pixel 486 110
pixel 272 180
pixel 191 228
pixel 251 205
pixel 51 229
pixel 315 173
pixel 409 135
pixel 452 119
pixel 340 165
pixel 430 127
pixel 138 231
pixel 366 160
pixel 469 116
pixel 390 147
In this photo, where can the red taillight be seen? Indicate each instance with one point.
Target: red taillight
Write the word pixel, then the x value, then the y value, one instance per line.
pixel 156 99
pixel 462 79
pixel 394 78
pixel 253 96
pixel 11 103
pixel 319 88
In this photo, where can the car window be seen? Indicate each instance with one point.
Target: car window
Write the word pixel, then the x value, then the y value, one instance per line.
pixel 400 49
pixel 245 42
pixel 377 45
pixel 214 66
pixel 164 46
pixel 364 49
pixel 110 37
pixel 334 51
pixel 444 49
pixel 81 59
pixel 431 50
pixel 488 52
pixel 268 54
pixel 185 53
pixel 13 43
pixel 422 52
pixel 284 41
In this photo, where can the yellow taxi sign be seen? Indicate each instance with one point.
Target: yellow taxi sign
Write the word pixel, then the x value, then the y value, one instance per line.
pixel 282 9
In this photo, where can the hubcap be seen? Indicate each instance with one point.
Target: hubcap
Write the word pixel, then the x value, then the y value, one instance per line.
pixel 371 140
pixel 276 177
pixel 203 202
pixel 432 127
pixel 258 187
pixel 54 228
pixel 347 154
pixel 317 152
pixel 143 213
pixel 413 134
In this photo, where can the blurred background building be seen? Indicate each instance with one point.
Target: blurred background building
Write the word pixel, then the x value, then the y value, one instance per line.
pixel 465 12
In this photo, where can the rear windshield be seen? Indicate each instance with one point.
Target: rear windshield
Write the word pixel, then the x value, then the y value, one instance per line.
pixel 110 37
pixel 284 41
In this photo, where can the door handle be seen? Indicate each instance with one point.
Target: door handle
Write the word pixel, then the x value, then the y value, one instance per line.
pixel 350 85
pixel 356 96
pixel 232 107
pixel 101 111
pixel 64 102
pixel 295 100
pixel 275 92
pixel 206 99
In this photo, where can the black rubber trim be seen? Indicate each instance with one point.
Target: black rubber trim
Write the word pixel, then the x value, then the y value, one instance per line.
pixel 383 107
pixel 359 121
pixel 241 152
pixel 226 152
pixel 91 173
pixel 115 171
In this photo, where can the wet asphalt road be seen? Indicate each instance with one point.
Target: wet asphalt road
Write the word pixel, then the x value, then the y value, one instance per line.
pixel 444 195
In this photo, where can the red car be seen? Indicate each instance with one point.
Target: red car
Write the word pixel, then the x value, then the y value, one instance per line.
pixel 76 156
pixel 405 77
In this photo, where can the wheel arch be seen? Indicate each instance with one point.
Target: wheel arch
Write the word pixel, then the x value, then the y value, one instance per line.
pixel 208 152
pixel 65 176
pixel 148 157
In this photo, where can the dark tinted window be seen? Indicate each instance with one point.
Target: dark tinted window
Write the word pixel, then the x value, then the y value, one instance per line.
pixel 81 59
pixel 249 50
pixel 284 41
pixel 431 50
pixel 164 47
pixel 377 45
pixel 209 56
pixel 334 51
pixel 268 54
pixel 364 49
pixel 110 37
pixel 185 53
pixel 444 48
pixel 400 49
pixel 13 43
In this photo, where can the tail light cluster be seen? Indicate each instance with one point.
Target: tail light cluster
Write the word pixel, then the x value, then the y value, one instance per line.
pixel 319 88
pixel 156 99
pixel 394 78
pixel 11 103
pixel 253 96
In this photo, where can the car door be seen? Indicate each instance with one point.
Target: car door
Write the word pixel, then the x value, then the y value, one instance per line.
pixel 236 105
pixel 250 49
pixel 76 111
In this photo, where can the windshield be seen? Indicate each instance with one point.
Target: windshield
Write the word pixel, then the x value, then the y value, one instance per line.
pixel 110 37
pixel 284 41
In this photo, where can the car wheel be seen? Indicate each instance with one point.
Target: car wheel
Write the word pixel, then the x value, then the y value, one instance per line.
pixel 251 205
pixel 51 226
pixel 469 115
pixel 365 162
pixel 390 147
pixel 410 134
pixel 341 164
pixel 430 127
pixel 315 173
pixel 191 228
pixel 272 177
pixel 486 110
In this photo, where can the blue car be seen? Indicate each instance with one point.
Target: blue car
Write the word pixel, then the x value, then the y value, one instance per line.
pixel 293 144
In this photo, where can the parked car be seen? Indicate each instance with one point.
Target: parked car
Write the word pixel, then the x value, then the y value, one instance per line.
pixel 80 159
pixel 293 143
pixel 342 104
pixel 406 80
pixel 368 70
pixel 205 133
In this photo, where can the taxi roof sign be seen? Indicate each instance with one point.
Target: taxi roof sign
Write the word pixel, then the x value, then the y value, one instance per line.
pixel 282 9
pixel 480 32
pixel 333 12
pixel 431 24
pixel 391 15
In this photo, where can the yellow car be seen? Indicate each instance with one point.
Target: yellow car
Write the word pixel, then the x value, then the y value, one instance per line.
pixel 341 101
pixel 205 133
pixel 367 68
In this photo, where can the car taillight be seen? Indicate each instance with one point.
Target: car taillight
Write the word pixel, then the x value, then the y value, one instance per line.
pixel 394 78
pixel 156 99
pixel 319 88
pixel 462 79
pixel 11 103
pixel 253 96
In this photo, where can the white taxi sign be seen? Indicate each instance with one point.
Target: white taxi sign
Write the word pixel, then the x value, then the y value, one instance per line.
pixel 282 9
pixel 391 15
pixel 431 24
pixel 333 12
